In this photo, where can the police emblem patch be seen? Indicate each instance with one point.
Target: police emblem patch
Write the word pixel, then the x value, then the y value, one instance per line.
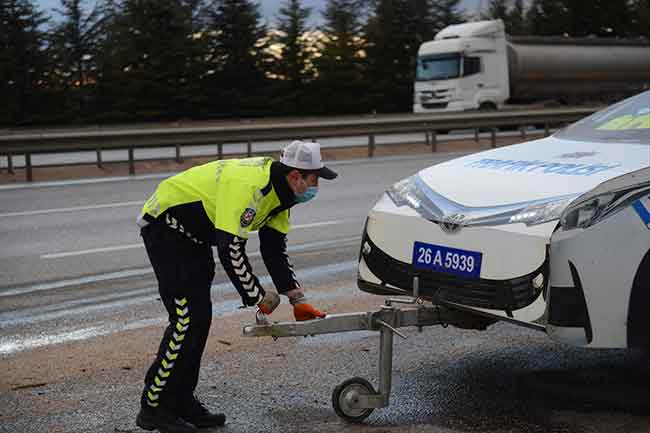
pixel 247 217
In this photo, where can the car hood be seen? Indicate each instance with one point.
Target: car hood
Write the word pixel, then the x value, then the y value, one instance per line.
pixel 535 170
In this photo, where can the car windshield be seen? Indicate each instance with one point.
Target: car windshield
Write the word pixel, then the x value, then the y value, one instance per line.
pixel 438 67
pixel 625 122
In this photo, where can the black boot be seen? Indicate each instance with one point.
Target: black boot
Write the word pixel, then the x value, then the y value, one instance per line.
pixel 200 416
pixel 163 421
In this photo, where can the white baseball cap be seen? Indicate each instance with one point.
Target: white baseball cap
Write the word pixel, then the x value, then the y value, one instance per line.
pixel 305 155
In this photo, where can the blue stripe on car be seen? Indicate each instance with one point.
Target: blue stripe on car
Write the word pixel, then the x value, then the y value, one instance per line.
pixel 642 211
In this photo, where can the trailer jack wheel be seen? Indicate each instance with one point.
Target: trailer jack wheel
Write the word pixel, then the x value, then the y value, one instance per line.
pixel 348 399
pixel 355 399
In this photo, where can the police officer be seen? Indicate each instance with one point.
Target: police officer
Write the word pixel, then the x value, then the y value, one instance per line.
pixel 218 204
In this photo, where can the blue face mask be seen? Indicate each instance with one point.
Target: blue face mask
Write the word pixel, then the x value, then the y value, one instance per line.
pixel 307 195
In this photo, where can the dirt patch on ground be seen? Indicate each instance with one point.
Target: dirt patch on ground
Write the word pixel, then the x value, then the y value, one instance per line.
pixel 111 169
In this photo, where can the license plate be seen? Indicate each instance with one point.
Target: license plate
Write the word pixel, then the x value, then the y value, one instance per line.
pixel 448 260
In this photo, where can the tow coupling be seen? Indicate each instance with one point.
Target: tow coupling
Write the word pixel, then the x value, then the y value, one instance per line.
pixel 355 399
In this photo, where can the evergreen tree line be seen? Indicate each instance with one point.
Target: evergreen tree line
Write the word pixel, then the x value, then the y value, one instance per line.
pixel 148 60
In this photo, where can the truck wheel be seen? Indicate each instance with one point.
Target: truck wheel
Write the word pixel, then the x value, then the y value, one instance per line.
pixel 487 106
pixel 347 394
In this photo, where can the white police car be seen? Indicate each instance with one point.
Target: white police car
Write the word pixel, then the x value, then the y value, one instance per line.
pixel 599 293
pixel 475 230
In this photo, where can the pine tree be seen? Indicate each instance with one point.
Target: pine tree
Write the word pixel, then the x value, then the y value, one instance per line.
pixel 517 19
pixel 197 47
pixel 641 18
pixel 236 82
pixel 293 23
pixel 512 14
pixel 497 9
pixel 548 17
pixel 380 56
pixel 22 62
pixel 109 73
pixel 446 12
pixel 341 87
pixel 604 18
pixel 75 42
pixel 153 39
pixel 390 54
pixel 425 17
pixel 292 67
pixel 342 25
pixel 579 18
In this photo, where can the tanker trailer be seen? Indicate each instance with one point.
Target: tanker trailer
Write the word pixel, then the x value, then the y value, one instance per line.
pixel 477 66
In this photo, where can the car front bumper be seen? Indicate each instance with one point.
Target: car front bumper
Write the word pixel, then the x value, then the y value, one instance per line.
pixel 508 284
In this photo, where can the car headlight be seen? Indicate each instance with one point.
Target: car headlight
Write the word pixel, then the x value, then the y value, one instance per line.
pixel 404 193
pixel 541 213
pixel 415 193
pixel 593 209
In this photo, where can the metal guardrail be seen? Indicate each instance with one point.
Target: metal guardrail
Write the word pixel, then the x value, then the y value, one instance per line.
pixel 130 139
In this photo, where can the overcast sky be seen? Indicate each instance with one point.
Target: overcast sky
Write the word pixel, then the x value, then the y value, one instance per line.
pixel 269 7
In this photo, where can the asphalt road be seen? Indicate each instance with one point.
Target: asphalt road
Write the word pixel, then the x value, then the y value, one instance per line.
pixel 76 229
pixel 72 253
pixel 80 321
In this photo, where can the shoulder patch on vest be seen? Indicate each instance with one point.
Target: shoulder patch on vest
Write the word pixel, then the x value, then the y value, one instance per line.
pixel 247 217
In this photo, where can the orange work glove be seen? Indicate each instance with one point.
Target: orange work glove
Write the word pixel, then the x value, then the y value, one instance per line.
pixel 304 311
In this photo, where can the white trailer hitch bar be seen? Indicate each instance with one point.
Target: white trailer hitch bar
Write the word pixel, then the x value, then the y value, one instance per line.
pixel 355 399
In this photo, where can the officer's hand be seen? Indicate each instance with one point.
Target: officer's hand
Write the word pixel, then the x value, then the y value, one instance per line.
pixel 269 302
pixel 304 311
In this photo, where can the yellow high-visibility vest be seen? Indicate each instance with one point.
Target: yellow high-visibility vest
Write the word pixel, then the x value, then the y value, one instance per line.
pixel 237 195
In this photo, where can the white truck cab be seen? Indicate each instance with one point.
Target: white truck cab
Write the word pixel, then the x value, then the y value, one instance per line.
pixel 464 68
